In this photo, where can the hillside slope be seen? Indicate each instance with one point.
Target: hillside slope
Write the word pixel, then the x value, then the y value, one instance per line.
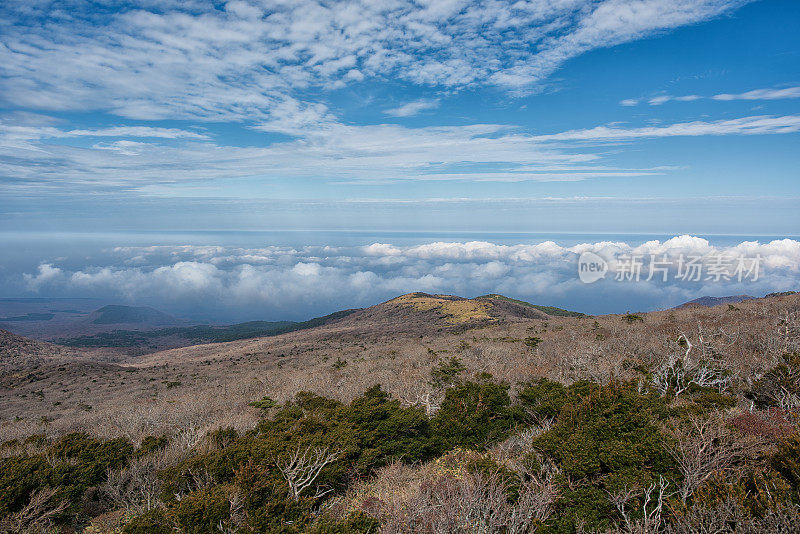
pixel 395 344
pixel 118 314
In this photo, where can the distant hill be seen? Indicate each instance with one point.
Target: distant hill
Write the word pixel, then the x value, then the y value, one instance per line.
pixel 423 313
pixel 16 351
pixel 29 317
pixel 715 301
pixel 189 335
pixel 117 314
pixel 549 310
pixel 780 294
pixel 12 344
pixel 413 312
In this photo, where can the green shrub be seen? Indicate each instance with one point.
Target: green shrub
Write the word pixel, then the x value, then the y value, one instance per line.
pixel 368 433
pixel 474 415
pixel 266 501
pixel 631 318
pixel 264 404
pixel 151 444
pixel 201 511
pixel 76 463
pixel 706 400
pixel 151 522
pixel 533 342
pixel 757 493
pixel 607 442
pixel 786 461
pixel 222 437
pixel 780 382
pixel 544 399
pixel 446 372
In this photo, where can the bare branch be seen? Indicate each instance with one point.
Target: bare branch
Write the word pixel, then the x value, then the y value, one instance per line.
pixel 302 468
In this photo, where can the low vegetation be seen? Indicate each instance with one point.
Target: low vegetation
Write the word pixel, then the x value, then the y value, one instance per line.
pixel 549 310
pixel 621 456
pixel 596 425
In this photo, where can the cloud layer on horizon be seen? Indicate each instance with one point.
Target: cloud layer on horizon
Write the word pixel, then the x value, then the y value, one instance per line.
pixel 275 282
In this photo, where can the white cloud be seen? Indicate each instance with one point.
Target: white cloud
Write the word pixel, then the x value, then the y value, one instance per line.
pixel 244 61
pixel 755 94
pixel 755 125
pixel 412 108
pixel 259 65
pixel 325 277
pixel 344 154
pixel 46 274
pixel 663 99
pixel 762 94
pixel 135 131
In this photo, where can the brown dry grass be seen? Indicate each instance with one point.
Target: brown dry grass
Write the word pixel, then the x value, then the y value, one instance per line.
pixel 207 386
pixel 455 311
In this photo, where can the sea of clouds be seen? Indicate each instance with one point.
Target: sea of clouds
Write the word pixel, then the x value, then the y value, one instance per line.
pixel 225 283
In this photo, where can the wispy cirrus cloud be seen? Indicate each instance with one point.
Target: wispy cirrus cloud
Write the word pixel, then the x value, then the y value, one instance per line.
pixel 412 108
pixel 754 125
pixel 761 94
pixel 755 94
pixel 344 154
pixel 245 60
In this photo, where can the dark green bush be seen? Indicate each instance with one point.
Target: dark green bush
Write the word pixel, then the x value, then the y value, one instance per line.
pixel 608 441
pixel 264 404
pixel 266 501
pixel 151 444
pixel 786 461
pixel 544 399
pixel 151 522
pixel 77 462
pixel 201 511
pixel 222 437
pixel 756 493
pixel 475 415
pixel 368 433
pixel 447 372
pixel 781 380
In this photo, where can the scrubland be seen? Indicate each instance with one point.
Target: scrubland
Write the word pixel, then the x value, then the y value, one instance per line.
pixel 422 414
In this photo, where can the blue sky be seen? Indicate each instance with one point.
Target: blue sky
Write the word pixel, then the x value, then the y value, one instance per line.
pixel 131 125
pixel 190 115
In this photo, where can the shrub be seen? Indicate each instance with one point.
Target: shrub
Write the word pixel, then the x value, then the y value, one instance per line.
pixel 151 522
pixel 222 437
pixel 446 373
pixel 756 494
pixel 368 433
pixel 533 342
pixel 151 444
pixel 70 465
pixel 355 523
pixel 201 511
pixel 786 461
pixel 606 443
pixel 780 386
pixel 544 399
pixel 264 404
pixel 475 415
